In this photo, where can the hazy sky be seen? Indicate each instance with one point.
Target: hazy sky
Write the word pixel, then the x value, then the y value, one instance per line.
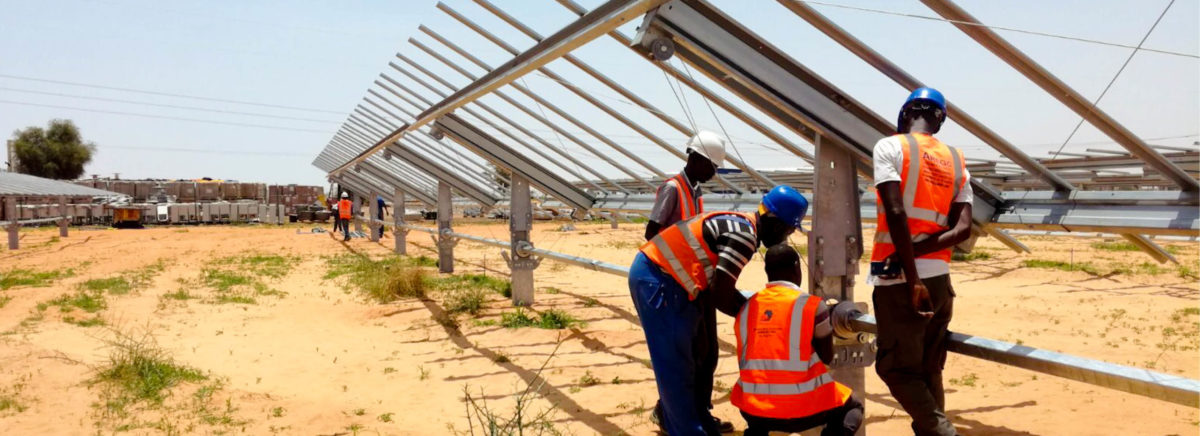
pixel 322 56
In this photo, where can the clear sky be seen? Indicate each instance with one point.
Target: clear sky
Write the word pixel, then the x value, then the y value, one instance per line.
pixel 322 56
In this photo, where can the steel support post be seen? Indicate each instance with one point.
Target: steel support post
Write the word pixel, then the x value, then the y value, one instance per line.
pixel 445 239
pixel 522 262
pixel 10 211
pixel 612 218
pixel 399 233
pixel 834 247
pixel 375 227
pixel 65 219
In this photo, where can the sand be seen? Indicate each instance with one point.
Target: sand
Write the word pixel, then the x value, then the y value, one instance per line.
pixel 325 360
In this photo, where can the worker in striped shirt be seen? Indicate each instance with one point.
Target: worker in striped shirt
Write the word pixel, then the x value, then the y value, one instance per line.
pixel 678 281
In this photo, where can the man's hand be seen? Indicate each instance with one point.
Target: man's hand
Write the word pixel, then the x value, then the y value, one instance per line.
pixel 920 300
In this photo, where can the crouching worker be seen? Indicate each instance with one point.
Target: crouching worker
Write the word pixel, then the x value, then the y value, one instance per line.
pixel 785 338
pixel 678 281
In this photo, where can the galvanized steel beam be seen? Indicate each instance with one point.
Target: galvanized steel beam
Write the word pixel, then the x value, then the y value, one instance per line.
pixel 893 71
pixel 686 79
pixel 483 144
pixel 1061 91
pixel 599 21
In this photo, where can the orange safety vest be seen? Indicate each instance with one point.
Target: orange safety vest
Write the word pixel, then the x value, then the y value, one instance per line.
pixel 781 376
pixel 932 176
pixel 344 209
pixel 689 205
pixel 680 250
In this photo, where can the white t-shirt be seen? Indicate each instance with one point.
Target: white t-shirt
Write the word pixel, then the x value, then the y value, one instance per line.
pixel 889 161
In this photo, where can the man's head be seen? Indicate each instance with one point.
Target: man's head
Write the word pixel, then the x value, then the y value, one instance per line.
pixel 926 104
pixel 780 214
pixel 783 263
pixel 705 153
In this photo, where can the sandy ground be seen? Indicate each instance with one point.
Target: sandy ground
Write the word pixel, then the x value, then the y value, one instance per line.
pixel 320 360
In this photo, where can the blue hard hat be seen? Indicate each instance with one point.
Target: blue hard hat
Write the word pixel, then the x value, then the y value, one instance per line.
pixel 786 203
pixel 927 94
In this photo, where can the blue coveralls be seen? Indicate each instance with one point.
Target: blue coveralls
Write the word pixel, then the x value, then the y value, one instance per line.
pixel 671 323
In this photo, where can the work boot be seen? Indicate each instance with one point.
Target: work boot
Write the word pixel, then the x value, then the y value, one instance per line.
pixel 656 417
pixel 723 426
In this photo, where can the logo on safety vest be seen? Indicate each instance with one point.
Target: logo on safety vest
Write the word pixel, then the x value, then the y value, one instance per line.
pixel 767 315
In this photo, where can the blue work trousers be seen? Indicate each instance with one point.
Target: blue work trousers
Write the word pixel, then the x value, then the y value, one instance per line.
pixel 672 325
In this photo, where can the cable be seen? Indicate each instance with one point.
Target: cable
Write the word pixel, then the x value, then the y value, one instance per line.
pixel 193 108
pixel 680 101
pixel 207 151
pixel 688 70
pixel 166 94
pixel 194 120
pixel 1115 76
pixel 1010 29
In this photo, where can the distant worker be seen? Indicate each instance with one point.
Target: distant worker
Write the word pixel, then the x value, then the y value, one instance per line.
pixel 678 199
pixel 379 215
pixel 337 218
pixel 784 341
pixel 345 211
pixel 924 209
pixel 680 277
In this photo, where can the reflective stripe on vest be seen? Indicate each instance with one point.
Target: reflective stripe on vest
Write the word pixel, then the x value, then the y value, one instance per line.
pixel 688 206
pixel 786 388
pixel 778 380
pixel 681 252
pixel 794 362
pixel 923 220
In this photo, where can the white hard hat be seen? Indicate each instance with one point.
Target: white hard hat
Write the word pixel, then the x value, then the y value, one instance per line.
pixel 710 145
pixel 345 195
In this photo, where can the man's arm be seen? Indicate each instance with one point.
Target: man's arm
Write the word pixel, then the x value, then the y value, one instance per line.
pixel 652 228
pixel 822 339
pixel 725 295
pixel 897 222
pixel 666 200
pixel 960 215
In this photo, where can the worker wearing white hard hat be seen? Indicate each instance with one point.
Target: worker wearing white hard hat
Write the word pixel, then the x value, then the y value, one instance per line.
pixel 678 199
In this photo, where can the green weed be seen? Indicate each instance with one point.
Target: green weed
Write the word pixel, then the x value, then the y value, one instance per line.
pixel 86 322
pixel 496 284
pixel 11 400
pixel 383 280
pixel 972 256
pixel 4 300
pixel 554 319
pixel 519 318
pixel 139 372
pixel 1059 265
pixel 1127 246
pixel 468 300
pixel 386 417
pixel 551 319
pixel 110 285
pixel 29 278
pixel 90 302
pixel 587 379
pixel 966 380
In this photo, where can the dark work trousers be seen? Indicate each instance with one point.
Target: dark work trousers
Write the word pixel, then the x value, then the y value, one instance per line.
pixel 912 352
pixel 672 325
pixel 707 351
pixel 840 421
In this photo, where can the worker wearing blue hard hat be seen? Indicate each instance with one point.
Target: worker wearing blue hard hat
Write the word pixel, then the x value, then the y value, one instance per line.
pixel 924 209
pixel 678 281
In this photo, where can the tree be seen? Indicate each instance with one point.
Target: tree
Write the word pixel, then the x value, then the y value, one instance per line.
pixel 502 176
pixel 56 152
